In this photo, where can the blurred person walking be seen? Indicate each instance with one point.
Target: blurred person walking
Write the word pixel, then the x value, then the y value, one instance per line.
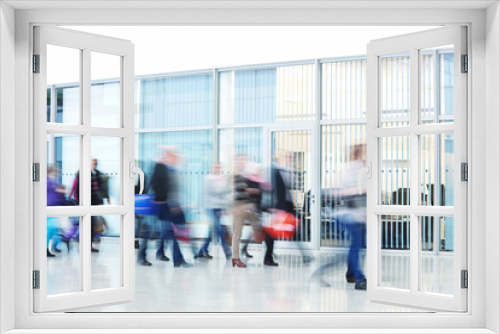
pixel 74 194
pixel 143 207
pixel 257 186
pixel 282 200
pixel 243 208
pixel 99 193
pixel 282 177
pixel 56 196
pixel 165 184
pixel 354 215
pixel 216 201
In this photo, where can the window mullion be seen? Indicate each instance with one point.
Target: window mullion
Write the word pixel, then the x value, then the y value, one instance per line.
pixel 85 176
pixel 414 169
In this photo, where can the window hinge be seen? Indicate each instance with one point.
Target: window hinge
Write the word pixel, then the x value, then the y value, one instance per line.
pixel 465 64
pixel 465 279
pixel 36 279
pixel 36 172
pixel 36 63
pixel 464 171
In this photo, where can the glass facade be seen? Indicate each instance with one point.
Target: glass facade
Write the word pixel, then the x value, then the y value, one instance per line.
pixel 248 96
pixel 216 115
pixel 196 149
pixel 166 102
pixel 280 94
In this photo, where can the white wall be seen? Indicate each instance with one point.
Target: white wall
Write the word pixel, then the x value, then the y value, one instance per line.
pixel 7 185
pixel 492 171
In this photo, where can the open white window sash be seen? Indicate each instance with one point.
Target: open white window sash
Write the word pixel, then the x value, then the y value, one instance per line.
pixel 413 44
pixel 86 43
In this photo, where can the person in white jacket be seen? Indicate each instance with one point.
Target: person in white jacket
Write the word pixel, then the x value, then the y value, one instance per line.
pixel 216 199
pixel 354 215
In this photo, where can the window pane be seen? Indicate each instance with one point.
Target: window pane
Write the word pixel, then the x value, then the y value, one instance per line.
pixel 343 90
pixel 437 84
pixel 437 268
pixel 248 96
pixel 63 75
pixel 175 101
pixel 245 144
pixel 338 143
pixel 291 151
pixel 295 93
pixel 279 94
pixel 395 170
pixel 395 232
pixel 63 255
pixel 63 164
pixel 233 142
pixel 106 170
pixel 437 159
pixel 49 99
pixel 105 90
pixel 106 252
pixel 395 90
pixel 196 156
pixel 395 266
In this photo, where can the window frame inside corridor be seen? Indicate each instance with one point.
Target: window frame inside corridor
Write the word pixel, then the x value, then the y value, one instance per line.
pixel 29 319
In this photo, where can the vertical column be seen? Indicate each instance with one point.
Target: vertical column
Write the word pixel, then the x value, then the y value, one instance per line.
pixel 461 103
pixel 415 238
pixel 8 171
pixel 127 226
pixel 85 180
pixel 315 164
pixel 53 119
pixel 215 118
pixel 372 155
pixel 40 156
pixel 215 132
pixel 437 151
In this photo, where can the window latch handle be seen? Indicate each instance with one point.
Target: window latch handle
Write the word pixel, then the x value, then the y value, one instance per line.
pixel 368 170
pixel 137 170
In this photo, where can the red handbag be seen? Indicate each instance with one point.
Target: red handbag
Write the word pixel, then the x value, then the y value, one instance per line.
pixel 181 232
pixel 283 225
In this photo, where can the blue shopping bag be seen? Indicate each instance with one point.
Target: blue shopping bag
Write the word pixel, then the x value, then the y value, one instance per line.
pixel 144 205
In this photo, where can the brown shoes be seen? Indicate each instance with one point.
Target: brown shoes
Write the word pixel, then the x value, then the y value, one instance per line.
pixel 238 263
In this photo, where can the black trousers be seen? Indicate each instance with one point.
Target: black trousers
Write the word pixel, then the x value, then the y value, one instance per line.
pixel 270 248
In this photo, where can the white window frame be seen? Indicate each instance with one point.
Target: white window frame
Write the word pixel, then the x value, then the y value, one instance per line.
pixel 414 43
pixel 124 52
pixel 475 320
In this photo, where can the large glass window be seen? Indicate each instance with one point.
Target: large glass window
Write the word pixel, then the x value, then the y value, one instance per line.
pixel 279 94
pixel 256 108
pixel 196 155
pixel 167 101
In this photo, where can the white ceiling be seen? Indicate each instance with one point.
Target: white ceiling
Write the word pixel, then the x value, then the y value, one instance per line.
pixel 248 4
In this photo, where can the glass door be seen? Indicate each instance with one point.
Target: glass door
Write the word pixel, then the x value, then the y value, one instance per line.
pixel 292 156
pixel 416 144
pixel 83 164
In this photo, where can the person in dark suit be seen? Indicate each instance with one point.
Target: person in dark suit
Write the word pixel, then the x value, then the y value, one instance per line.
pixel 165 184
pixel 99 193
pixel 282 177
pixel 282 184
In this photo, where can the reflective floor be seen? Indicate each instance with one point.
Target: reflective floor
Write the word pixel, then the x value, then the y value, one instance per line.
pixel 215 286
